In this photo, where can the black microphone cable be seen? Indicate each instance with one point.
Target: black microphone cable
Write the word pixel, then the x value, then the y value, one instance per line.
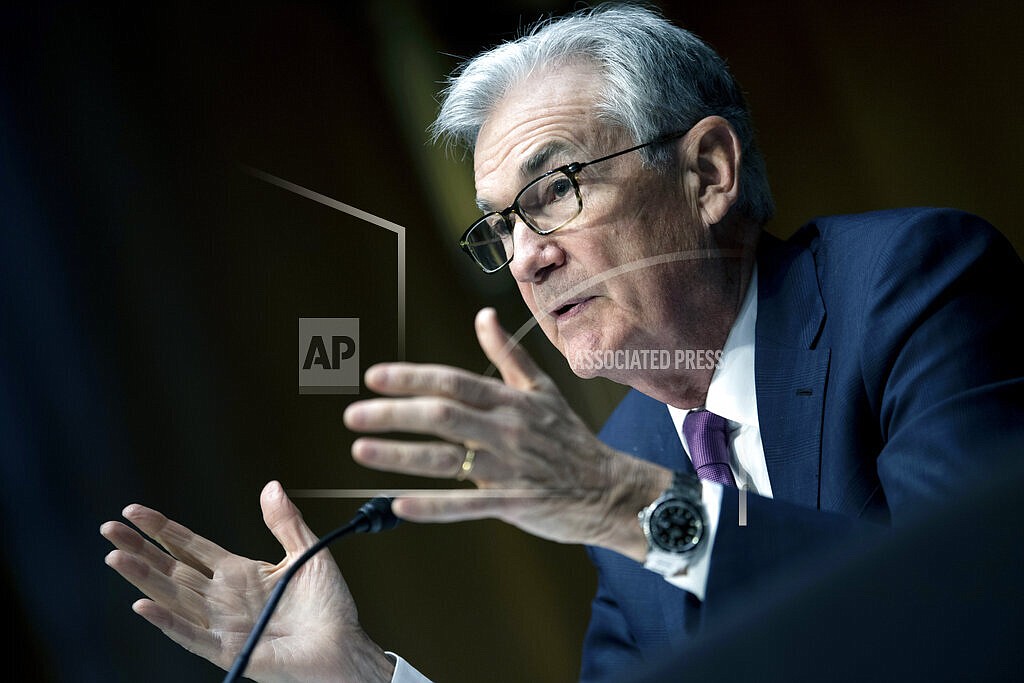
pixel 375 515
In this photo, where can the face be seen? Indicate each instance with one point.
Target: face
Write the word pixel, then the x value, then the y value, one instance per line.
pixel 591 285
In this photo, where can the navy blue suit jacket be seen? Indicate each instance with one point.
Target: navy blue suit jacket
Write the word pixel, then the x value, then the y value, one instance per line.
pixel 887 376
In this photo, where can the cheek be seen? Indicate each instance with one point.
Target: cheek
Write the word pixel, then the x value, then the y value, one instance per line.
pixel 645 227
pixel 526 292
pixel 547 324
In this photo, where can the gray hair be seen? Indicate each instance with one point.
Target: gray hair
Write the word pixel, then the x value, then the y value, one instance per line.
pixel 658 79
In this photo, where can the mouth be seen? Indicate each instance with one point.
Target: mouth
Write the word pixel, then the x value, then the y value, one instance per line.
pixel 570 308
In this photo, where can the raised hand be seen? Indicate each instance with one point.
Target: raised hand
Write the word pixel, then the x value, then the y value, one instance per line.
pixel 207 599
pixel 560 481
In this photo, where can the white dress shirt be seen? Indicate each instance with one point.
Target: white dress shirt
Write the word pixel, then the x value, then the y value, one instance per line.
pixel 404 671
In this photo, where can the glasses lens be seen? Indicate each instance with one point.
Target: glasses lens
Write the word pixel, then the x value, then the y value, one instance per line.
pixel 489 241
pixel 550 202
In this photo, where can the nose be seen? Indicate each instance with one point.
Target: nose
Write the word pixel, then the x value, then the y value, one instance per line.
pixel 534 256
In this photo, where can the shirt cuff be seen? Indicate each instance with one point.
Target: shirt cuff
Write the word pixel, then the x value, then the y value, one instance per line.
pixel 404 671
pixel 695 579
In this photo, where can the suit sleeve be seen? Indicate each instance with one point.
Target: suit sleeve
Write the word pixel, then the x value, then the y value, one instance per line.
pixel 943 368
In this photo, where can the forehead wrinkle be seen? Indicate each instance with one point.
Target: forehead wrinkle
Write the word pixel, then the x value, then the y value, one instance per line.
pixel 534 166
pixel 521 136
pixel 538 161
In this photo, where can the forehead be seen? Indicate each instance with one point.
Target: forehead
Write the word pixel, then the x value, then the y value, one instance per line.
pixel 546 120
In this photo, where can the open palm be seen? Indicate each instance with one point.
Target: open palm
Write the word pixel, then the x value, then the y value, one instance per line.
pixel 208 599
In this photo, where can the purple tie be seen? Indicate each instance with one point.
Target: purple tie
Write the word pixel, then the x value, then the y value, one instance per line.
pixel 709 446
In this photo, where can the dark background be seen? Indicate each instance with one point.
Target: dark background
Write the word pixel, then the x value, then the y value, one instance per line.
pixel 150 290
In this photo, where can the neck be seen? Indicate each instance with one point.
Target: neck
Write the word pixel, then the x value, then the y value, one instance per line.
pixel 685 384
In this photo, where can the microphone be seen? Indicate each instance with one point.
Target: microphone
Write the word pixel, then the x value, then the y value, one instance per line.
pixel 373 516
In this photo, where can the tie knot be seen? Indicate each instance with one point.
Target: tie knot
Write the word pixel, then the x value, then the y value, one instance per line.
pixel 703 422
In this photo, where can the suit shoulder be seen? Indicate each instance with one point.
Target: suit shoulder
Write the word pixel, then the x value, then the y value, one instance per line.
pixel 897 225
pixel 913 236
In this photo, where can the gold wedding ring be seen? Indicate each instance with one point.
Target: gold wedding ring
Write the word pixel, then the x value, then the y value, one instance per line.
pixel 467 465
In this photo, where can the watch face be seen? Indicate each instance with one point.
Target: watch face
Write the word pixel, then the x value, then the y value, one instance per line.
pixel 676 526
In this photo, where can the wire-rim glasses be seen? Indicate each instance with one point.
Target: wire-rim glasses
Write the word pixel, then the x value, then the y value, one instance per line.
pixel 546 204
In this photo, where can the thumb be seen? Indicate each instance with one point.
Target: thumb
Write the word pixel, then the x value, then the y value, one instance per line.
pixel 511 360
pixel 284 520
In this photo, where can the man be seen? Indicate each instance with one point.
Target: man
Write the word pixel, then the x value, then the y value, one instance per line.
pixel 843 377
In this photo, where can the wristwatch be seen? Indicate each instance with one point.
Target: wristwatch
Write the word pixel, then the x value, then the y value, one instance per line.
pixel 675 526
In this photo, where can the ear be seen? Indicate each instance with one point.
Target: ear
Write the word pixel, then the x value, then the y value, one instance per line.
pixel 710 163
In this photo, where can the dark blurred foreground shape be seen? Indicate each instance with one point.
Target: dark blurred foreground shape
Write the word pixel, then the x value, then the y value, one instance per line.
pixel 939 599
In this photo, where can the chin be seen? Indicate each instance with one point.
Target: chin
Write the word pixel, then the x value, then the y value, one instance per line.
pixel 574 357
pixel 586 357
pixel 582 370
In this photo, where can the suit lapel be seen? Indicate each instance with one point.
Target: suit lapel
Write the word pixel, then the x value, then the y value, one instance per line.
pixel 790 368
pixel 644 428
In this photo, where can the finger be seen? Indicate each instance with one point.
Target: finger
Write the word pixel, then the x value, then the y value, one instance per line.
pixel 127 539
pixel 448 419
pixel 431 459
pixel 284 520
pixel 461 505
pixel 157 586
pixel 181 542
pixel 193 638
pixel 510 358
pixel 415 379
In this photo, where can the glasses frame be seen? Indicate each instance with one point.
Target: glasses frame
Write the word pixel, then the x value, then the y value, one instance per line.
pixel 570 171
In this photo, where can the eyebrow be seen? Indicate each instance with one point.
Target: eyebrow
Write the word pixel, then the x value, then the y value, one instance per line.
pixel 532 167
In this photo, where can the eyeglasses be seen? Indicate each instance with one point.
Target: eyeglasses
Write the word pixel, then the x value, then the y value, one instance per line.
pixel 546 204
